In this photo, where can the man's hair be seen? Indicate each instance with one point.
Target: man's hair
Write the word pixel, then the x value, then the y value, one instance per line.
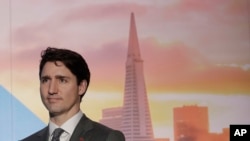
pixel 72 60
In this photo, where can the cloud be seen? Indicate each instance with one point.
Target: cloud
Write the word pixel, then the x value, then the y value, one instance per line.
pixel 90 23
pixel 219 10
pixel 183 58
pixel 196 23
pixel 183 69
pixel 218 29
pixel 172 67
pixel 246 67
pixel 107 65
pixel 98 12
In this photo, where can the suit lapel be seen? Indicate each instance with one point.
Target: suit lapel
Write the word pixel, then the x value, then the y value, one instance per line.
pixel 81 129
pixel 43 135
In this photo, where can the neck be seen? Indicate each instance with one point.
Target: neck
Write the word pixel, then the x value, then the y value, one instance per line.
pixel 60 118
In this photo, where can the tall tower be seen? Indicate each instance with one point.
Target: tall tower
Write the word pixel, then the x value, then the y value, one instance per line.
pixel 136 122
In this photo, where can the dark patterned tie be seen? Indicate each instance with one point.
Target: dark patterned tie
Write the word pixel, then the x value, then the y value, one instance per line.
pixel 56 134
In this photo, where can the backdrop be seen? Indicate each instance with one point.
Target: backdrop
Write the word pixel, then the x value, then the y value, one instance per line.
pixel 195 53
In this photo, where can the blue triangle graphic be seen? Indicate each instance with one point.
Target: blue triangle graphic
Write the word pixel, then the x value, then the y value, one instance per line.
pixel 16 120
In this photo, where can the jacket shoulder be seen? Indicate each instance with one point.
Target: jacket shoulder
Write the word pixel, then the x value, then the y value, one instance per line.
pixel 90 130
pixel 37 136
pixel 103 132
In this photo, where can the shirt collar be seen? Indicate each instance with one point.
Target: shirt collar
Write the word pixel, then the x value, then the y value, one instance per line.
pixel 68 126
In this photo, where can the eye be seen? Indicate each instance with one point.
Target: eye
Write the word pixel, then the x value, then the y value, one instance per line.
pixel 44 80
pixel 63 80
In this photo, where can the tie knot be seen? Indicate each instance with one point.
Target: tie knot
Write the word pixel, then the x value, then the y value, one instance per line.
pixel 57 133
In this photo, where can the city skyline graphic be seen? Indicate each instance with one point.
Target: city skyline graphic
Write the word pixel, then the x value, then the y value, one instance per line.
pixel 133 118
pixel 192 60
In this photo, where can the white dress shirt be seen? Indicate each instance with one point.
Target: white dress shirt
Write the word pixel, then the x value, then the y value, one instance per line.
pixel 68 127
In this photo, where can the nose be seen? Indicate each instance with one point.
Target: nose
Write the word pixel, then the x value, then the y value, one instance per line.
pixel 53 88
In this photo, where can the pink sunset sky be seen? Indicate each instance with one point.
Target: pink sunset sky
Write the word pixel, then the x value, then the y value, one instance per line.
pixel 194 52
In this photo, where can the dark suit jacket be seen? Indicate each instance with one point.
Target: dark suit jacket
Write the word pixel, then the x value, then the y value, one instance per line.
pixel 86 130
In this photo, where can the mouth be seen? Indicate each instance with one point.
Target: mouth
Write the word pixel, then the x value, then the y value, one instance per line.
pixel 53 100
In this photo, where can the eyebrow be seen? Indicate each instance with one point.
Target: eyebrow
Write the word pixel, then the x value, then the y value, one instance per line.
pixel 61 76
pixel 57 77
pixel 44 77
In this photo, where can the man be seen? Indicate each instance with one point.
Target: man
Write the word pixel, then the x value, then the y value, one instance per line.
pixel 64 79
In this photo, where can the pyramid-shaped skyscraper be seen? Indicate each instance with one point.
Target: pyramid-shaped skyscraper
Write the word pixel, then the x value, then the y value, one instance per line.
pixel 136 119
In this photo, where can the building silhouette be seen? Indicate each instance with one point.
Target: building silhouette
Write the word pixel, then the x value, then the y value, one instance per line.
pixel 112 117
pixel 191 123
pixel 224 136
pixel 133 118
pixel 136 122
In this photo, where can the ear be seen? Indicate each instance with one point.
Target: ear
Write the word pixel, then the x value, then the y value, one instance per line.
pixel 82 87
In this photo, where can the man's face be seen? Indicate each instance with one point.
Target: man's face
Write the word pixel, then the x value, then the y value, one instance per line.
pixel 59 90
